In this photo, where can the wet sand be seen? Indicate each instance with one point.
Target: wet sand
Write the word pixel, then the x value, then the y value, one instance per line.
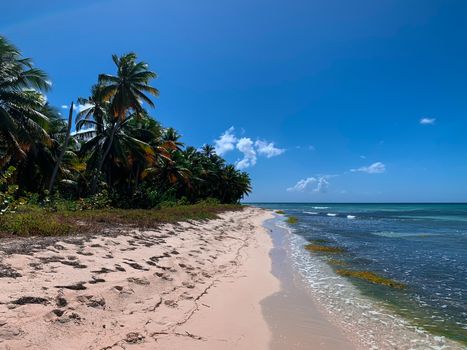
pixel 295 320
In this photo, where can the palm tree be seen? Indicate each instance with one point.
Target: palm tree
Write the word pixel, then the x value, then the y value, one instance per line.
pixel 124 92
pixel 170 139
pixel 127 89
pixel 123 149
pixel 21 121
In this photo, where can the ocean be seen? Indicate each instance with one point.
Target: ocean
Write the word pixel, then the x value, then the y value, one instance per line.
pixel 421 249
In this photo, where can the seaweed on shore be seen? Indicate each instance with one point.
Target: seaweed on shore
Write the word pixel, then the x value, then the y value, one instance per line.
pixel 280 212
pixel 291 220
pixel 320 240
pixel 324 248
pixel 371 277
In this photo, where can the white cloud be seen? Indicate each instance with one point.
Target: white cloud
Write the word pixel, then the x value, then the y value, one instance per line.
pixel 246 146
pixel 268 149
pixel 226 142
pixel 427 121
pixel 303 185
pixel 375 168
pixel 78 107
pixel 318 184
pixel 322 186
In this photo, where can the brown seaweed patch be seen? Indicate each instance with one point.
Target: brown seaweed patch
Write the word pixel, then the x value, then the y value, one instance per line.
pixel 320 240
pixel 324 248
pixel 371 277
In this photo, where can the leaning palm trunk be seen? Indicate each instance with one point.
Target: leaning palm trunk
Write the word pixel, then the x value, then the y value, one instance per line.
pixel 103 158
pixel 62 152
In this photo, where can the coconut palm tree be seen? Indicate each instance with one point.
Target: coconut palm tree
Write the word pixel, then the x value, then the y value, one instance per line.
pixel 127 90
pixel 125 93
pixel 21 120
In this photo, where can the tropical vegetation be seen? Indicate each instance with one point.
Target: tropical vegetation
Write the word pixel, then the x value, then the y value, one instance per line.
pixel 112 153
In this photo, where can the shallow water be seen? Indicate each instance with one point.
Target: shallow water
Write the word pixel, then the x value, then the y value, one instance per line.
pixel 423 246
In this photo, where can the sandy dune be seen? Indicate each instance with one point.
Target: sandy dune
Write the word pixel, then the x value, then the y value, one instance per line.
pixel 187 286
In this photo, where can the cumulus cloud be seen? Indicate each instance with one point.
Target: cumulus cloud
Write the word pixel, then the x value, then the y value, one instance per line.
pixel 78 107
pixel 246 146
pixel 375 168
pixel 268 149
pixel 226 142
pixel 322 186
pixel 251 149
pixel 319 184
pixel 427 121
pixel 303 184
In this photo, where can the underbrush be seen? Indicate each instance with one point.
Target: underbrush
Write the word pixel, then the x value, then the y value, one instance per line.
pixel 36 221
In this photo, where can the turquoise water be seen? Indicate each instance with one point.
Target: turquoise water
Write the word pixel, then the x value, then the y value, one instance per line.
pixel 423 246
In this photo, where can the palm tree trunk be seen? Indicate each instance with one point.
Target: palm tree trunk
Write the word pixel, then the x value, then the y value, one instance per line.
pixel 62 152
pixel 103 157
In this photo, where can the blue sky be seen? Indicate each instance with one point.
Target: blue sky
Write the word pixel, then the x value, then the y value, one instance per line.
pixel 319 101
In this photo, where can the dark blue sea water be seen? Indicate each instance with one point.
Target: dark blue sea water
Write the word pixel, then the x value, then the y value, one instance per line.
pixel 423 246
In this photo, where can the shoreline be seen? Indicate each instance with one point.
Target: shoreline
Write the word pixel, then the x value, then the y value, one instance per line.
pixel 297 321
pixel 367 322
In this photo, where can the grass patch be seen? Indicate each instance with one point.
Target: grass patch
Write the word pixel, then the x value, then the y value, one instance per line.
pixel 33 221
pixel 372 278
pixel 324 248
pixel 280 212
pixel 291 220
